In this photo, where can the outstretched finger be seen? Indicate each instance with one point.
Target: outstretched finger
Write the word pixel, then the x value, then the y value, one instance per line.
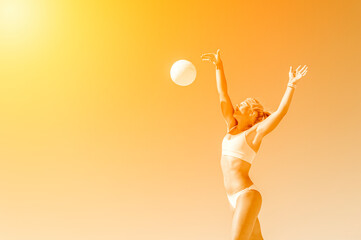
pixel 304 73
pixel 206 59
pixel 298 68
pixel 290 69
pixel 302 68
pixel 208 55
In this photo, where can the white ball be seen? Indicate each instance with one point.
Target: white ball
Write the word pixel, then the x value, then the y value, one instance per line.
pixel 183 72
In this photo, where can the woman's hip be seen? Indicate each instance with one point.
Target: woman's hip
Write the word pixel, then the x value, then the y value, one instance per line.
pixel 232 198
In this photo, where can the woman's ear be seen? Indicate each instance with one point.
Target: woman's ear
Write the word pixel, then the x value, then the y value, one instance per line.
pixel 254 115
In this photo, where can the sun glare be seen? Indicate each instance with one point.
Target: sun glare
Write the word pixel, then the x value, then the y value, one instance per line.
pixel 13 16
pixel 21 23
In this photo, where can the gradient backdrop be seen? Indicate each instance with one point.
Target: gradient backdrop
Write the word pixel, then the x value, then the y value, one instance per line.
pixel 97 142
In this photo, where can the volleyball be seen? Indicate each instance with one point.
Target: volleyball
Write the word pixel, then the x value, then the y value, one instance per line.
pixel 183 72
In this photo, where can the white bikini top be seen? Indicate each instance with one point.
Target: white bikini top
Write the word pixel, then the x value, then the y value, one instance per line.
pixel 237 146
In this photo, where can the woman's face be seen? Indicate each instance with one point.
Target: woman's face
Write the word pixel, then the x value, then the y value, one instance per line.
pixel 241 110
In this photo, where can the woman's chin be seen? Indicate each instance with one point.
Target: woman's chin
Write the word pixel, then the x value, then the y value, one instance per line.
pixel 237 119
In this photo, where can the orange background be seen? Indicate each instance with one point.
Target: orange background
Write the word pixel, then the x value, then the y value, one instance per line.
pixel 97 142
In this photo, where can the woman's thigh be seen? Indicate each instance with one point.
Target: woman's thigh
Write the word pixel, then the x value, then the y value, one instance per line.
pixel 256 233
pixel 245 214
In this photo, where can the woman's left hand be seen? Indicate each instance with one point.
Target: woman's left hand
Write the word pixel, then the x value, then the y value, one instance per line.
pixel 294 76
pixel 214 58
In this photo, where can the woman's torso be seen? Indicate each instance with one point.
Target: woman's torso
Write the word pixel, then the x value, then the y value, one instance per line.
pixel 235 170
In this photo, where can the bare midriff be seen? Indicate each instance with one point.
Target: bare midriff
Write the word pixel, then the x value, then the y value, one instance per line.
pixel 235 174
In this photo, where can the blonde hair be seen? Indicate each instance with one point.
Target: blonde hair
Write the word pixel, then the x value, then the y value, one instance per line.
pixel 256 106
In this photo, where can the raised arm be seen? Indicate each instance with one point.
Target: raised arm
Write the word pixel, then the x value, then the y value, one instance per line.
pixel 270 123
pixel 226 104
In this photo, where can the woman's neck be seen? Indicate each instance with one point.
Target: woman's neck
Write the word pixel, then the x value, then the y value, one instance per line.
pixel 243 126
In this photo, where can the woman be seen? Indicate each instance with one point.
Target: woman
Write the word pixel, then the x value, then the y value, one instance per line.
pixel 247 125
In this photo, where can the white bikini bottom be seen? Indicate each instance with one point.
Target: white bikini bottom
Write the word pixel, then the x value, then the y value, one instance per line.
pixel 233 198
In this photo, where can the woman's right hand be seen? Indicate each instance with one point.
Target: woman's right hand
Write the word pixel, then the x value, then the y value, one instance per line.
pixel 214 58
pixel 295 76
